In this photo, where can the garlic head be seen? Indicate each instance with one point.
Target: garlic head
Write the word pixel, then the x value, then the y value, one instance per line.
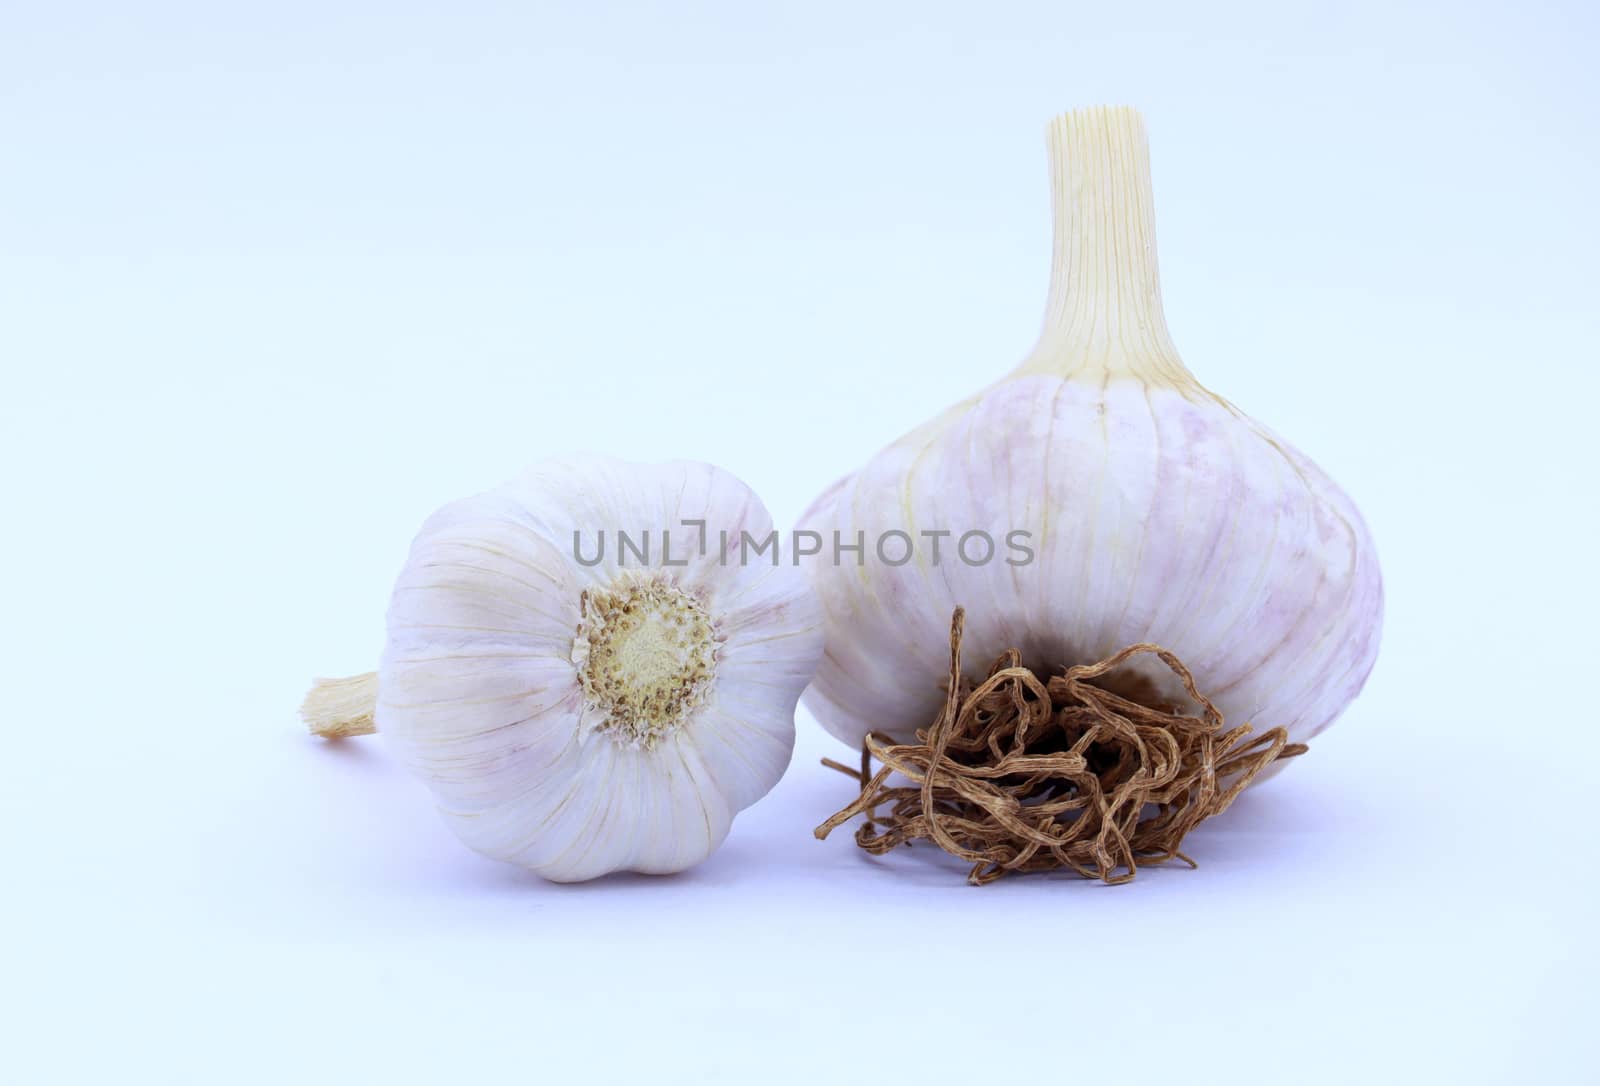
pixel 586 670
pixel 1122 502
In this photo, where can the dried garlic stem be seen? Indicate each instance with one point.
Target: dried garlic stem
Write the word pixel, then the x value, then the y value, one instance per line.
pixel 1103 315
pixel 340 708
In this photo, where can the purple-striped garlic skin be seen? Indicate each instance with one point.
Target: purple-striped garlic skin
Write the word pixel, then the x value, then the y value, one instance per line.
pixel 1155 516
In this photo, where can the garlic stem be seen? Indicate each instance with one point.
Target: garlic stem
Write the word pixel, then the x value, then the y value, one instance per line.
pixel 1104 311
pixel 341 708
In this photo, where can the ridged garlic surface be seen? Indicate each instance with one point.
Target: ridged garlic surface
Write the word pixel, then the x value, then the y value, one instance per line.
pixel 1154 510
pixel 578 718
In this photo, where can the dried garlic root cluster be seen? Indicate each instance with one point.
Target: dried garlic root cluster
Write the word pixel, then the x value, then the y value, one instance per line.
pixel 1091 770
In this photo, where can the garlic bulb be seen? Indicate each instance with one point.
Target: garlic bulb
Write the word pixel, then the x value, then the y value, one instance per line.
pixel 591 667
pixel 1095 497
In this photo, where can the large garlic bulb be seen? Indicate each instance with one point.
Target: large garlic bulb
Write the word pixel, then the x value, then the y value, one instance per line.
pixel 577 716
pixel 1123 502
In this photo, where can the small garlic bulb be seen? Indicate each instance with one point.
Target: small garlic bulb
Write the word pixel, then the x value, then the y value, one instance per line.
pixel 588 669
pixel 1121 502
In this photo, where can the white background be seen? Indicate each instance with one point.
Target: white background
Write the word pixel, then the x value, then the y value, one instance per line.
pixel 276 280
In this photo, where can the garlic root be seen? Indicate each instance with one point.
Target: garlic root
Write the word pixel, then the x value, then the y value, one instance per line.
pixel 1089 769
pixel 341 708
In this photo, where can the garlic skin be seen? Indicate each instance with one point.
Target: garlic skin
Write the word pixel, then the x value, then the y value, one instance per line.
pixel 1155 510
pixel 580 719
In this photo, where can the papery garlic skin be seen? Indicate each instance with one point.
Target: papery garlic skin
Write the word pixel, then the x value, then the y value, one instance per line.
pixel 1155 510
pixel 578 719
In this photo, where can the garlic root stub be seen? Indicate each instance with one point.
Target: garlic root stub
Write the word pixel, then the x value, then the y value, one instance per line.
pixel 1154 510
pixel 575 706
